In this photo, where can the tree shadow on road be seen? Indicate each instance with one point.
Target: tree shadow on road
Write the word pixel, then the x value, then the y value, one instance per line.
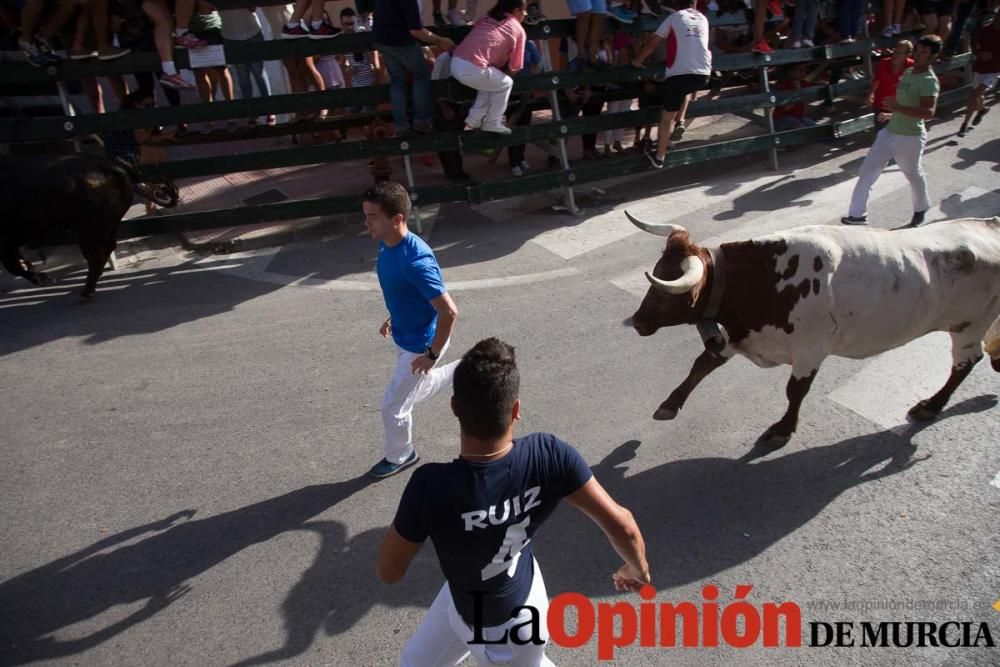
pixel 89 582
pixel 702 516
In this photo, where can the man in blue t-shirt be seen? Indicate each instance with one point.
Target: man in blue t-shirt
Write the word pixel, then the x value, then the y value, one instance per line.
pixel 481 511
pixel 421 318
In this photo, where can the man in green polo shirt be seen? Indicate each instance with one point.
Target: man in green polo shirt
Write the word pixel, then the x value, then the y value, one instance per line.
pixel 904 137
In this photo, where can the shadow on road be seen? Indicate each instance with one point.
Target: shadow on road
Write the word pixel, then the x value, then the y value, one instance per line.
pixel 87 583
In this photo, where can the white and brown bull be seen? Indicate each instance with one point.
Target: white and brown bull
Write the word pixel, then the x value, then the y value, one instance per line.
pixel 801 295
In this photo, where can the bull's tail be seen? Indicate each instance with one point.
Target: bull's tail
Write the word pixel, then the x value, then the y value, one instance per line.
pixel 992 344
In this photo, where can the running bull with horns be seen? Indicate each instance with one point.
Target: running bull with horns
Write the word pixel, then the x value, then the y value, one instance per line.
pixel 797 296
pixel 86 195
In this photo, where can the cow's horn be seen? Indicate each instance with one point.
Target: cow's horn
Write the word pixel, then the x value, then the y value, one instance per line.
pixel 661 229
pixel 693 269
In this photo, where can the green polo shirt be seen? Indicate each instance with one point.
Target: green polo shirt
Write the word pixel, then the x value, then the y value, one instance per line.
pixel 912 86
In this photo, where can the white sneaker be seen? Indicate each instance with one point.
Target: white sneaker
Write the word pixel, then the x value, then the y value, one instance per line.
pixel 496 129
pixel 807 43
pixel 897 29
pixel 456 17
pixel 797 44
pixel 524 165
pixel 888 31
pixel 517 171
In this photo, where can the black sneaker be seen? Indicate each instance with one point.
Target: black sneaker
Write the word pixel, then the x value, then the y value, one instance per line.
pixel 978 118
pixel 851 220
pixel 439 21
pixel 386 468
pixel 917 219
pixel 653 160
pixel 964 130
pixel 677 133
pixel 33 54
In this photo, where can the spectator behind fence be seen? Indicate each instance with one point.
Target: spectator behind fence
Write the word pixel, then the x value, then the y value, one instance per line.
pixel 589 15
pixel 318 28
pixel 208 28
pixel 242 27
pixel 301 70
pixel 94 14
pixel 360 67
pixel 135 30
pixel 395 33
pixel 521 116
pixel 850 15
pixel 936 16
pixel 985 73
pixel 37 47
pixel 804 23
pixel 688 67
pixel 792 116
pixel 886 78
pixel 496 39
pixel 449 115
pixel 893 17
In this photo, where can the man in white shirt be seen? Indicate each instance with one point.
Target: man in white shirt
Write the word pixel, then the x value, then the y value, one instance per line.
pixel 688 67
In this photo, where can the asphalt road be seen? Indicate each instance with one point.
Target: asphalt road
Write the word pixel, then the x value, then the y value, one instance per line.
pixel 182 458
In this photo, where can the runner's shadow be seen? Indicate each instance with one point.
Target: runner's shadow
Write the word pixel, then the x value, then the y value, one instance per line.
pixel 987 152
pixel 155 569
pixel 702 516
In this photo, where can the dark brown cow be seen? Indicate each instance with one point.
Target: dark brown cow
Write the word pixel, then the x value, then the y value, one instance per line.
pixel 86 195
pixel 799 296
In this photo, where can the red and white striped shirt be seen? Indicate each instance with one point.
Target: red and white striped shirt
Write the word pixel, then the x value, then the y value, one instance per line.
pixel 494 43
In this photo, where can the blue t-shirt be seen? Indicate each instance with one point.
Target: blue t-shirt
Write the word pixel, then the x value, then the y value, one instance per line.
pixel 410 278
pixel 481 517
pixel 392 21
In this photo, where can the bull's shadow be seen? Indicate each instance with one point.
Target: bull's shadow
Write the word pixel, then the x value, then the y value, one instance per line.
pixel 702 516
pixel 155 569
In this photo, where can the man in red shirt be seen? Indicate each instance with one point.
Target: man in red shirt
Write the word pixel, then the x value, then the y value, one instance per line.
pixel 886 78
pixel 985 72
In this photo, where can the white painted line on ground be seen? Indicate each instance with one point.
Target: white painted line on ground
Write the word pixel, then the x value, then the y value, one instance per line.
pixel 996 483
pixel 891 383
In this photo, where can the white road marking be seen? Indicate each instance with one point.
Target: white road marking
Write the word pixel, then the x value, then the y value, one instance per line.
pixel 996 483
pixel 892 382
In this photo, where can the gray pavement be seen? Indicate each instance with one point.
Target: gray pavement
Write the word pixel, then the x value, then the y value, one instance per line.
pixel 182 455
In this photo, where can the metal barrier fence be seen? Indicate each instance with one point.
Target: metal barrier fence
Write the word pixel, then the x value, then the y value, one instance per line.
pixel 627 79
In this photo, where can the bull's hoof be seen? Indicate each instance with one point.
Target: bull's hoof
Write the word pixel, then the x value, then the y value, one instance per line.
pixel 924 411
pixel 773 439
pixel 664 414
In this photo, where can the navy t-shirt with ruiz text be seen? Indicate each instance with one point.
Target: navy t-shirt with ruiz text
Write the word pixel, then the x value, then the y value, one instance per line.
pixel 481 517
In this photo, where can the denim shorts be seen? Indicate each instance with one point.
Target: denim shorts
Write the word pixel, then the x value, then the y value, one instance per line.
pixel 581 6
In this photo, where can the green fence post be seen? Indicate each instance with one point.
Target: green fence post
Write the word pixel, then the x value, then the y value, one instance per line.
pixel 557 118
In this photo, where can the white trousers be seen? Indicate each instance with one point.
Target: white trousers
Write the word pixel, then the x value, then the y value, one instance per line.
pixel 442 638
pixel 406 389
pixel 908 153
pixel 617 106
pixel 494 91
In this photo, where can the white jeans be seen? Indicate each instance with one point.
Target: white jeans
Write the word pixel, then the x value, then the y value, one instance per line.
pixel 908 152
pixel 617 106
pixel 494 91
pixel 406 389
pixel 442 638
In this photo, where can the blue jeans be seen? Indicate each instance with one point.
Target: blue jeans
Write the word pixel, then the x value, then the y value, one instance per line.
pixel 849 15
pixel 804 21
pixel 399 60
pixel 256 69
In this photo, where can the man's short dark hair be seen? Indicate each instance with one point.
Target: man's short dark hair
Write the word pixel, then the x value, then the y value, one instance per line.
pixel 391 197
pixel 347 11
pixel 932 42
pixel 486 385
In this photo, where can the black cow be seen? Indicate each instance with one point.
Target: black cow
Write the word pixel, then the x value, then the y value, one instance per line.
pixel 87 195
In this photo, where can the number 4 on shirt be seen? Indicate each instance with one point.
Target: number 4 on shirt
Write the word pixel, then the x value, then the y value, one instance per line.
pixel 510 550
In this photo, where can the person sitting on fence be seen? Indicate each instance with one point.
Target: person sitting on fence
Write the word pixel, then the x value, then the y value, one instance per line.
pixel 319 27
pixel 396 30
pixel 137 146
pixel 589 16
pixel 495 39
pixel 207 27
pixel 242 27
pixel 301 70
pixel 361 68
pixel 94 14
pixel 688 67
pixel 37 47
pixel 760 11
pixel 792 116
pixel 886 78
pixel 850 17
pixel 804 24
pixel 936 16
pixel 985 73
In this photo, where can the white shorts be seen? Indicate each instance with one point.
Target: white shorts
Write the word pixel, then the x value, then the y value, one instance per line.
pixel 987 81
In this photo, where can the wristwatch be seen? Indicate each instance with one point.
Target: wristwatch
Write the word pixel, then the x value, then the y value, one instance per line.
pixel 430 354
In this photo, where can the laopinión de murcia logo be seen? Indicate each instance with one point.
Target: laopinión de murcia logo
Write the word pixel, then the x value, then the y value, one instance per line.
pixel 654 624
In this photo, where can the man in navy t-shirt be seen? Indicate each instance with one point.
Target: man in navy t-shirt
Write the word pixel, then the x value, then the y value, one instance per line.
pixel 481 511
pixel 421 318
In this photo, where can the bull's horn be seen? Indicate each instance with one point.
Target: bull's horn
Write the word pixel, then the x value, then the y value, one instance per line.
pixel 660 229
pixel 693 269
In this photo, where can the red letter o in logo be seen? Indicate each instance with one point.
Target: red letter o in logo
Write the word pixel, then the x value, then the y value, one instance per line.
pixel 556 619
